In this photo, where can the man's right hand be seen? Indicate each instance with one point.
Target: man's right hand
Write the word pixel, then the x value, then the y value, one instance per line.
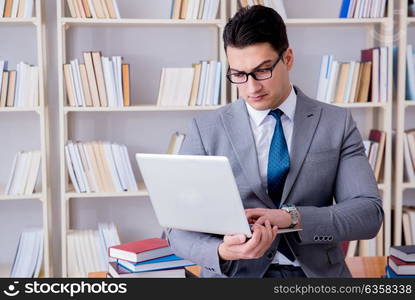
pixel 237 246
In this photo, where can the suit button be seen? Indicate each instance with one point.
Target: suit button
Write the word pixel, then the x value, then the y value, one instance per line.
pixel 316 238
pixel 326 238
pixel 330 238
pixel 270 255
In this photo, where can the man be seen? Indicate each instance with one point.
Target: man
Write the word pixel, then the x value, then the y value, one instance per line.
pixel 291 156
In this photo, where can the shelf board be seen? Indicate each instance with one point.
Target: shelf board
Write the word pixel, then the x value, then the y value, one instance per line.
pixel 20 109
pixel 361 105
pixel 36 196
pixel 408 185
pixel 19 21
pixel 139 108
pixel 142 192
pixel 337 21
pixel 94 22
pixel 409 103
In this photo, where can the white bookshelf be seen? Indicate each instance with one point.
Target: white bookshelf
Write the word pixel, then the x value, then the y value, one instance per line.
pixel 42 113
pixel 402 115
pixel 379 114
pixel 66 112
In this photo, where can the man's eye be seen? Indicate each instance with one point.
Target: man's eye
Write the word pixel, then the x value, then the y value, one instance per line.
pixel 238 75
pixel 261 71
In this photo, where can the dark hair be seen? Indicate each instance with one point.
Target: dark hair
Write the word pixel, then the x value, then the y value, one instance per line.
pixel 254 25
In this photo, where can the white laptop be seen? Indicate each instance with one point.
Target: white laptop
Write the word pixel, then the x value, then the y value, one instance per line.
pixel 196 193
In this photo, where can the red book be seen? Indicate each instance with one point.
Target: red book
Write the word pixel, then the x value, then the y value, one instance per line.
pixel 401 267
pixel 379 137
pixel 141 250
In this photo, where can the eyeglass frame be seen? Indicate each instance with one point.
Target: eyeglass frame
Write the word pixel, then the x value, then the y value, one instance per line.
pixel 228 75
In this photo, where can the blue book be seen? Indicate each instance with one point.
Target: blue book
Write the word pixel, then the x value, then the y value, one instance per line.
pixel 391 274
pixel 344 9
pixel 161 263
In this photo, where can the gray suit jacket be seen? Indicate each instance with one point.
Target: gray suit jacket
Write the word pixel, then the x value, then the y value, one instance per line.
pixel 327 161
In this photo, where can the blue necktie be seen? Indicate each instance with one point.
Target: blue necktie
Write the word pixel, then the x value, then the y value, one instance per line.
pixel 278 167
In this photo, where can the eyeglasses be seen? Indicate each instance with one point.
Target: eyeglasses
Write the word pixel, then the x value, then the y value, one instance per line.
pixel 260 74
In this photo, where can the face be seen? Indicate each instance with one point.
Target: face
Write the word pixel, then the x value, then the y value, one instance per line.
pixel 268 93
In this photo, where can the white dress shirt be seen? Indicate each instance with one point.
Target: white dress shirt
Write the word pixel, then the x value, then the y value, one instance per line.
pixel 263 126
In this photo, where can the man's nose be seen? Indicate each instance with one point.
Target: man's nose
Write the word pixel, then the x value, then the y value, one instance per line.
pixel 253 85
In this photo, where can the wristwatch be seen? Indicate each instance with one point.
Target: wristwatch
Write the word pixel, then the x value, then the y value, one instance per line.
pixel 292 210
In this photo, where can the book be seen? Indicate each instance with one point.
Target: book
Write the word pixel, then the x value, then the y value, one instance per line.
pixel 99 75
pixel 126 84
pixel 141 250
pixel 91 78
pixel 379 137
pixel 117 271
pixel 391 274
pixel 410 73
pixel 401 267
pixel 161 263
pixel 405 253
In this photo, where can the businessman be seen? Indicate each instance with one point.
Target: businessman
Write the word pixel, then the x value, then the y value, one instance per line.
pixel 291 156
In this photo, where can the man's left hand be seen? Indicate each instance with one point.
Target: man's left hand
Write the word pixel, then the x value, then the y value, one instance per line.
pixel 277 217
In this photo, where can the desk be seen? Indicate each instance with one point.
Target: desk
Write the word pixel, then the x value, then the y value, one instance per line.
pixel 360 267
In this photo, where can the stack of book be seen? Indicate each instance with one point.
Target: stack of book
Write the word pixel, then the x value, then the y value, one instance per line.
pixel 102 9
pixel 24 173
pixel 375 148
pixel 88 249
pixel 348 82
pixel 175 143
pixel 194 9
pixel 401 262
pixel 19 88
pixel 28 259
pixel 16 8
pixel 100 81
pixel 196 86
pixel 408 225
pixel 277 5
pixel 146 258
pixel 363 9
pixel 99 167
pixel 409 155
pixel 410 73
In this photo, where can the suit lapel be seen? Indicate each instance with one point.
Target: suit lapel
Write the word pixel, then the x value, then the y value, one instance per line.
pixel 306 118
pixel 238 128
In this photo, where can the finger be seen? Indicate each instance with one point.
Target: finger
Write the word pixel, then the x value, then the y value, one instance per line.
pixel 236 239
pixel 274 231
pixel 257 246
pixel 261 220
pixel 269 230
pixel 254 212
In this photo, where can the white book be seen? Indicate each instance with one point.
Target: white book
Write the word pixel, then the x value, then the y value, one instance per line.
pixel 78 161
pixel 352 6
pixel 324 77
pixel 189 12
pixel 23 176
pixel 373 154
pixel 351 249
pixel 349 81
pixel 77 167
pixel 406 224
pixel 171 80
pixel 178 143
pixel 185 86
pixel 210 83
pixel 383 74
pixel 206 83
pixel 102 249
pixel 411 214
pixel 28 9
pixel 17 173
pixel 70 166
pixel 195 10
pixel 34 87
pixel 32 265
pixel 206 9
pixel 81 253
pixel 410 73
pixel 367 144
pixel 115 177
pixel 24 85
pixel 12 174
pixel 375 76
pixel 18 83
pixel 15 8
pixel 201 91
pixel 87 166
pixel 382 9
pixel 2 4
pixel 117 66
pixel 408 163
pixel 24 255
pixel 161 87
pixel 116 155
pixel 76 79
pixel 109 81
pixel 216 100
pixel 214 9
pixel 129 169
pixel 18 254
pixel 39 260
pixel 332 84
pixel 115 238
pixel 73 265
pixel 2 67
pixel 33 172
pixel 92 8
pixel 77 251
pixel 91 239
pixel 116 8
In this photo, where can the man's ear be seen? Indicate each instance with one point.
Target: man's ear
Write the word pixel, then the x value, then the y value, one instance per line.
pixel 289 58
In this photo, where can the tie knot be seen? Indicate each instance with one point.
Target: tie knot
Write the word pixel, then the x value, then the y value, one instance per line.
pixel 276 113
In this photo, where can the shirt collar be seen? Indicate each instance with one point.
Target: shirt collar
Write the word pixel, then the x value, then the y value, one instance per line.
pixel 287 107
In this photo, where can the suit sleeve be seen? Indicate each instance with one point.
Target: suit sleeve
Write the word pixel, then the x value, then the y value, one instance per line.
pixel 200 248
pixel 358 212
